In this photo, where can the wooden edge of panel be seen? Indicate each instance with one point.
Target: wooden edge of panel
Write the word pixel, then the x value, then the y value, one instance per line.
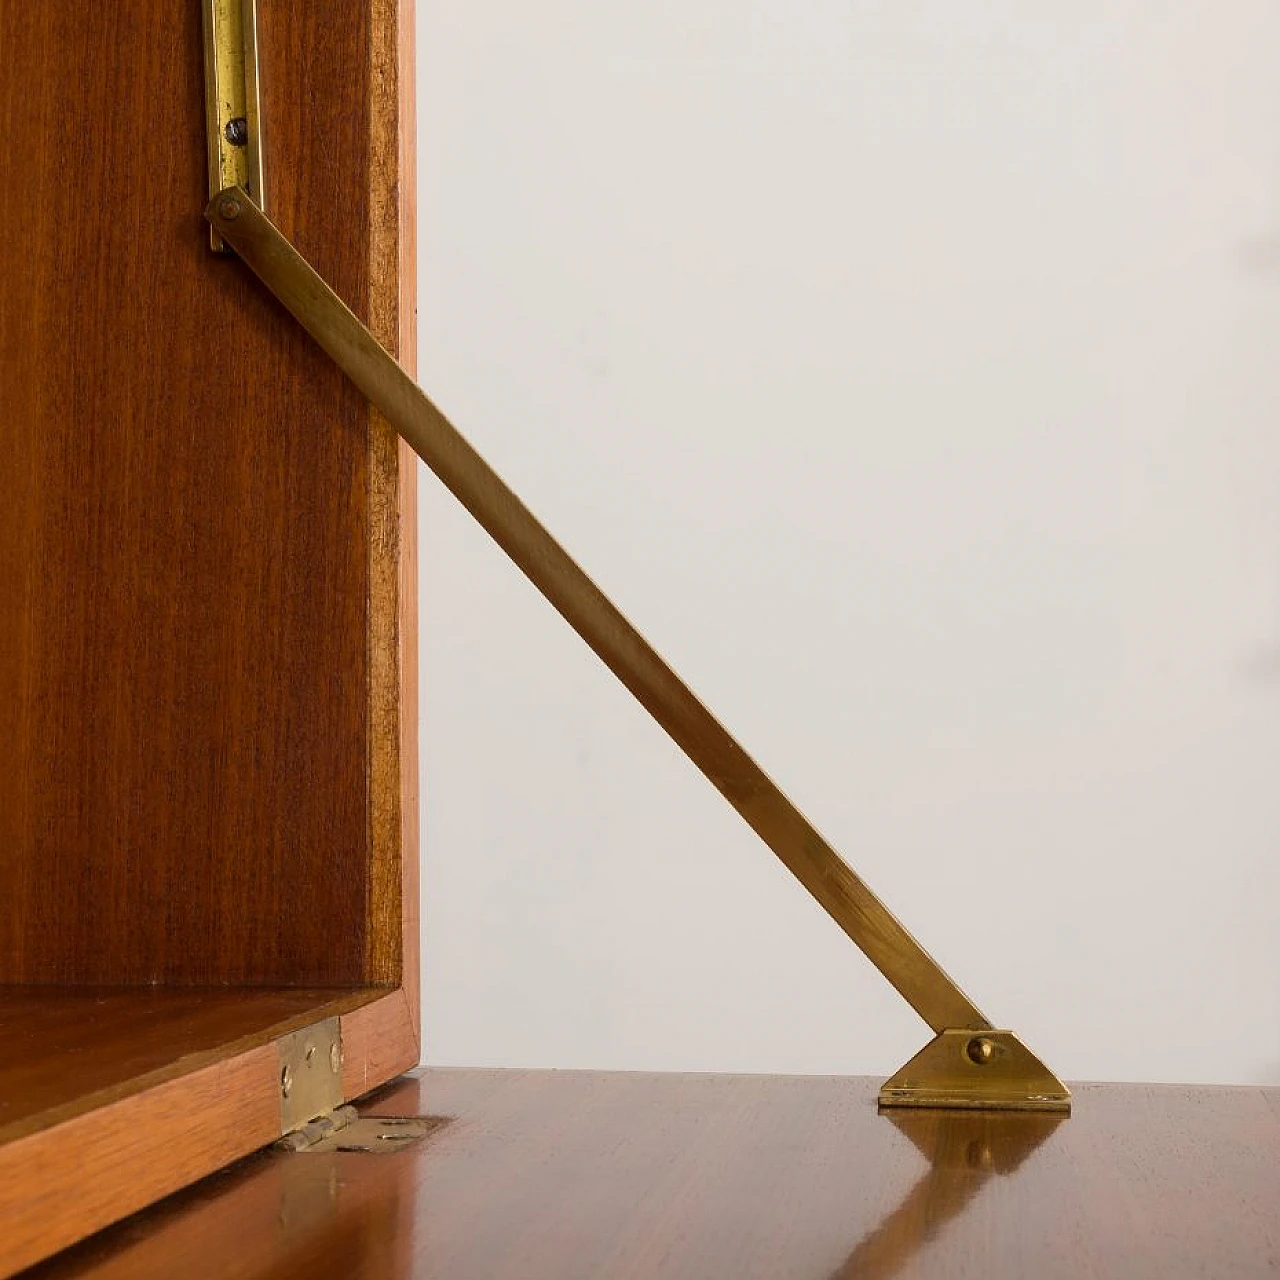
pixel 392 954
pixel 407 350
pixel 179 1068
pixel 406 194
pixel 379 1042
pixel 384 905
pixel 407 626
pixel 62 1184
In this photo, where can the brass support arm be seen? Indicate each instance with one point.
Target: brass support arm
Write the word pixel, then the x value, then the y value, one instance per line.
pixel 975 1065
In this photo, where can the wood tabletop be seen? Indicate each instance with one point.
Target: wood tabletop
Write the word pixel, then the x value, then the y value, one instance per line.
pixel 600 1175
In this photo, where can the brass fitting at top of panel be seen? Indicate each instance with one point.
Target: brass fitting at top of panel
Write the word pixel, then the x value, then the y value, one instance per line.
pixel 233 124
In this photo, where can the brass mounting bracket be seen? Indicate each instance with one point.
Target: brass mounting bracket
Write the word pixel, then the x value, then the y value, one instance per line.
pixel 232 115
pixel 969 1063
pixel 988 1070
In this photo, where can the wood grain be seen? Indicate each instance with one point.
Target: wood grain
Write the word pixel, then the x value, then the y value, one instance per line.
pixel 57 1185
pixel 407 590
pixel 584 1176
pixel 110 1099
pixel 208 717
pixel 68 1050
pixel 393 706
pixel 190 760
pixel 379 1041
pixel 310 1217
pixel 409 708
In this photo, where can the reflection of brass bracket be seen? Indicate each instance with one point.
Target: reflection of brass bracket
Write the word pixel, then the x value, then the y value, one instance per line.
pixel 231 99
pixel 846 899
pixel 964 1150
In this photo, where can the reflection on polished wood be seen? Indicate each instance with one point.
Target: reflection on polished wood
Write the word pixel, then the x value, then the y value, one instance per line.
pixel 591 1175
pixel 962 1153
pixel 111 1098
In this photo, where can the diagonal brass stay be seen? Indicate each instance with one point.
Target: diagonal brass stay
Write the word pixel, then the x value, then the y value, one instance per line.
pixel 968 1064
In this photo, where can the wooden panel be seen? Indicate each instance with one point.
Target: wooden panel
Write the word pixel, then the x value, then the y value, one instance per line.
pixel 58 1185
pixel 379 1041
pixel 392 950
pixel 112 1099
pixel 68 1050
pixel 294 1215
pixel 407 474
pixel 208 768
pixel 188 516
pixel 582 1176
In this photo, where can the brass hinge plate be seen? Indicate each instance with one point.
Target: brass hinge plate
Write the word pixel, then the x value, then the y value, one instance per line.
pixel 983 1070
pixel 310 1074
pixel 232 118
pixel 376 1135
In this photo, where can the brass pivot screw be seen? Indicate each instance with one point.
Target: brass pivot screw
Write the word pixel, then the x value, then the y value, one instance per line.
pixel 980 1051
pixel 229 209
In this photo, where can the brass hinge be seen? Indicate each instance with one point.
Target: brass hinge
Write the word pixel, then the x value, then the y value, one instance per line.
pixel 310 1074
pixel 346 1130
pixel 317 1130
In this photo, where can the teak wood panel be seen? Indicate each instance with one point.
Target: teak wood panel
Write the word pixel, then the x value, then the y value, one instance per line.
pixel 585 1176
pixel 200 649
pixel 69 1050
pixel 178 1100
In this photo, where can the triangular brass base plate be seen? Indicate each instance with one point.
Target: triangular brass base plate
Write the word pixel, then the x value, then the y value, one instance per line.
pixel 986 1070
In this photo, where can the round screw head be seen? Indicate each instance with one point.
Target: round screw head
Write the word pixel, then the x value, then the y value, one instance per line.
pixel 286 1081
pixel 310 1053
pixel 980 1050
pixel 237 131
pixel 229 209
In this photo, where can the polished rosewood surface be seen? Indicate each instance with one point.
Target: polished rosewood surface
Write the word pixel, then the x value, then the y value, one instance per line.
pixel 599 1175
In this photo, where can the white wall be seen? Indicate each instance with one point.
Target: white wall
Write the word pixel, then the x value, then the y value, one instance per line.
pixel 911 374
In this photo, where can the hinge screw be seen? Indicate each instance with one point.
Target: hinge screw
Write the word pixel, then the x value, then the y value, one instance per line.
pixel 335 1058
pixel 980 1050
pixel 237 131
pixel 286 1081
pixel 229 209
